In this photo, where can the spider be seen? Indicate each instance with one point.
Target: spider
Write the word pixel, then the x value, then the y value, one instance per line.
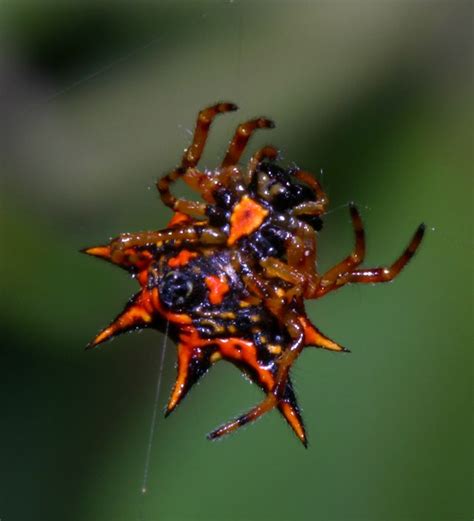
pixel 230 273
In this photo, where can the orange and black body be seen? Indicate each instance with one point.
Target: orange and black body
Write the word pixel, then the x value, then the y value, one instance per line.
pixel 229 276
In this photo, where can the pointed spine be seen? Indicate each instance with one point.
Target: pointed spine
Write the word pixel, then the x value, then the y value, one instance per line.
pixel 136 315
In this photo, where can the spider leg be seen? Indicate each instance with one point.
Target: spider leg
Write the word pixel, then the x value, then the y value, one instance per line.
pixel 206 235
pixel 206 183
pixel 193 154
pixel 381 274
pixel 241 137
pixel 370 275
pixel 293 324
pixel 267 152
pixel 178 204
pixel 300 268
pixel 301 253
pixel 190 159
pixel 311 207
pixel 331 278
pixel 266 405
pixel 276 268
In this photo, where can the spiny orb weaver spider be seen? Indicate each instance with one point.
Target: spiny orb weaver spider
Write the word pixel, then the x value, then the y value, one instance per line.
pixel 230 275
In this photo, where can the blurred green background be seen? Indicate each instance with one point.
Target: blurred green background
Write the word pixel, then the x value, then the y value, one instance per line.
pixel 97 100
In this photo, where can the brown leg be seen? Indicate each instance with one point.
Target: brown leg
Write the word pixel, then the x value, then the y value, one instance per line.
pixel 206 235
pixel 309 208
pixel 374 275
pixel 331 278
pixel 371 275
pixel 265 291
pixel 190 159
pixel 305 258
pixel 267 152
pixel 206 183
pixel 312 207
pixel 266 405
pixel 178 205
pixel 286 360
pixel 241 137
pixel 204 120
pixel 300 268
pixel 275 268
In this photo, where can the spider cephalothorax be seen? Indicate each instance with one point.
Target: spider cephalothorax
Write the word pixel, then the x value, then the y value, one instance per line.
pixel 230 275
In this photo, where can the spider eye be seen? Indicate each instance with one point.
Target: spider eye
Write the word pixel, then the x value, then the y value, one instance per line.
pixel 177 290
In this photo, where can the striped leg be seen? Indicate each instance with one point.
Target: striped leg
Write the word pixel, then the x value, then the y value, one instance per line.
pixel 266 405
pixel 206 235
pixel 381 274
pixel 190 208
pixel 193 154
pixel 332 277
pixel 311 207
pixel 241 137
pixel 267 152
pixel 373 275
pixel 190 159
pixel 300 266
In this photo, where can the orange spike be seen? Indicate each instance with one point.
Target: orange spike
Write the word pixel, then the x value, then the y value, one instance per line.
pixel 180 386
pixel 195 356
pixel 294 419
pixel 127 258
pixel 134 316
pixel 314 337
pixel 288 407
pixel 98 251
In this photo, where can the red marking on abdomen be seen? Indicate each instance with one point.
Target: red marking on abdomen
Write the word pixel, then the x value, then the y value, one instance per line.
pixel 218 288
